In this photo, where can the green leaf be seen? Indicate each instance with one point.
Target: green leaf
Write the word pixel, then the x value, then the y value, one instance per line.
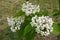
pixel 30 35
pixel 18 14
pixel 20 34
pixel 29 32
pixel 27 29
pixel 56 29
pixel 21 31
pixel 28 18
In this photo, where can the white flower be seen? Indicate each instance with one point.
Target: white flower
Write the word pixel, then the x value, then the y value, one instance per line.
pixel 37 30
pixel 36 8
pixel 29 8
pixel 28 12
pixel 43 24
pixel 10 21
pixel 13 29
pixel 18 27
pixel 15 23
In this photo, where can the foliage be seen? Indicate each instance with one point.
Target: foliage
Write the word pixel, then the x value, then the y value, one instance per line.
pixel 29 32
pixel 56 29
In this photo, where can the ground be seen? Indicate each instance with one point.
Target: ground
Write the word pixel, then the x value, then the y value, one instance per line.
pixel 9 7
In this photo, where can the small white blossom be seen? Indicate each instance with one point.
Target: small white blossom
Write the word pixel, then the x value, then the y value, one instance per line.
pixel 36 8
pixel 37 30
pixel 29 8
pixel 10 21
pixel 13 29
pixel 43 24
pixel 15 23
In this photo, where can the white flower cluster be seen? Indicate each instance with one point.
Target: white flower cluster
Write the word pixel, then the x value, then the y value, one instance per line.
pixel 28 8
pixel 43 24
pixel 15 23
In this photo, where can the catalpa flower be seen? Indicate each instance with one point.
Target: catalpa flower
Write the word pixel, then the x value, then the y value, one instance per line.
pixel 29 8
pixel 15 23
pixel 43 24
